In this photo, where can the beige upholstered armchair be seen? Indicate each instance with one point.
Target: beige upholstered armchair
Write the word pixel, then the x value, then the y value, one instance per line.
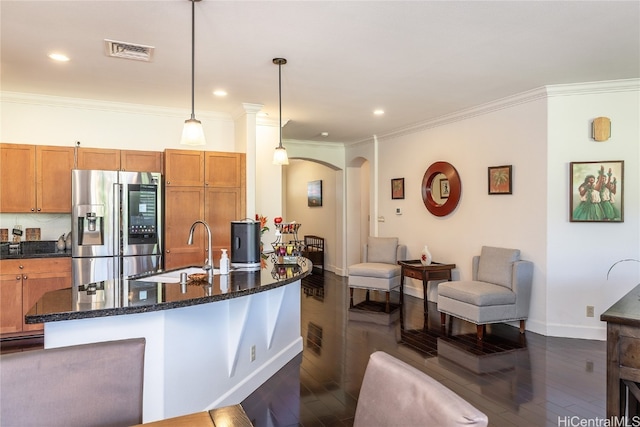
pixel 394 393
pixel 379 270
pixel 500 290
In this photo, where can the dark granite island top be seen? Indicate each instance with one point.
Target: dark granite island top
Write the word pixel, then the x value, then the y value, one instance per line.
pixel 160 291
pixel 207 345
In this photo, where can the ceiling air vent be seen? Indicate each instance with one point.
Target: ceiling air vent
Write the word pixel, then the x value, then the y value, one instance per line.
pixel 125 50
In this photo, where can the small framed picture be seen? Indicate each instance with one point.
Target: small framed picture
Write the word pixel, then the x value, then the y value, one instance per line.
pixel 596 191
pixel 314 193
pixel 397 188
pixel 500 180
pixel 444 188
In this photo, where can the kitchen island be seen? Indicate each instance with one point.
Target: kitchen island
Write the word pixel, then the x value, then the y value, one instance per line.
pixel 208 344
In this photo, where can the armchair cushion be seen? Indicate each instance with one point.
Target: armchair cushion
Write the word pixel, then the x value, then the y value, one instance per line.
pixel 478 293
pixel 496 265
pixel 382 249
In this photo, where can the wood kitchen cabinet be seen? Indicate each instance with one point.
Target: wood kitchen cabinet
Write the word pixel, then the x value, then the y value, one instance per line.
pixel 98 159
pixel 115 160
pixel 141 161
pixel 221 176
pixel 23 282
pixel 183 206
pixel 184 168
pixel 36 178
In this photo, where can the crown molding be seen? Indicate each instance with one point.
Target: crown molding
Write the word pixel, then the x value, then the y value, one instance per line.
pixel 96 105
pixel 608 86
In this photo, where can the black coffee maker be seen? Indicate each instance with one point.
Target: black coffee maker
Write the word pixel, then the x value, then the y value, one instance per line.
pixel 245 244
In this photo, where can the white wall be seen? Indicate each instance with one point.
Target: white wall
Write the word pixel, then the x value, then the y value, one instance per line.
pixel 513 134
pixel 48 120
pixel 319 220
pixel 538 133
pixel 580 254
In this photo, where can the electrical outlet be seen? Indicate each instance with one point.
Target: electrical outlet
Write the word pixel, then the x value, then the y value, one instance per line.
pixel 590 311
pixel 253 353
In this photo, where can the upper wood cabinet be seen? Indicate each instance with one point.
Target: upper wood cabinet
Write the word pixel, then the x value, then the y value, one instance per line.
pixel 184 168
pixel 141 161
pixel 35 178
pixel 125 160
pixel 225 170
pixel 98 159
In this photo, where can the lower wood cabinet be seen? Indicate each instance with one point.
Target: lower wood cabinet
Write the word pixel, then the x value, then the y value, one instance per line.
pixel 22 283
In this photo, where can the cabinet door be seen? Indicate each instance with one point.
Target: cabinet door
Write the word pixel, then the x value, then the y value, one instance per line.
pixel 183 206
pixel 18 177
pixel 10 303
pixel 98 159
pixel 34 285
pixel 184 168
pixel 225 169
pixel 141 161
pixel 223 205
pixel 53 178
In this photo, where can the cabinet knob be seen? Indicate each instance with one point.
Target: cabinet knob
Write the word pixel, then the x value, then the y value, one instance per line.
pixel 168 182
pixel 168 251
pixel 32 209
pixel 39 209
pixel 21 267
pixel 24 277
pixel 18 277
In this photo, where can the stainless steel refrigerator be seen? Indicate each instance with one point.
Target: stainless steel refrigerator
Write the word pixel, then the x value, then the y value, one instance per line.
pixel 116 224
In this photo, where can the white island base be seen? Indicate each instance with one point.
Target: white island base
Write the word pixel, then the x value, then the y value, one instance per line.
pixel 200 357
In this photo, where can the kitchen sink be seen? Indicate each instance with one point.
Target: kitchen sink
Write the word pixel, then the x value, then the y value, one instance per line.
pixel 174 276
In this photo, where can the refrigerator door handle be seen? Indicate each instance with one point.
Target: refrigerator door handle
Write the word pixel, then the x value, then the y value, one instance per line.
pixel 117 226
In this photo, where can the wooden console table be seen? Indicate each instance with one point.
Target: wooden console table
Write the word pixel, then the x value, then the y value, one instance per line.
pixel 413 268
pixel 623 363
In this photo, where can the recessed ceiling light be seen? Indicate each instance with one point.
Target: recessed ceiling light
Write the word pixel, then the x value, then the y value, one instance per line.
pixel 59 57
pixel 378 112
pixel 325 134
pixel 220 92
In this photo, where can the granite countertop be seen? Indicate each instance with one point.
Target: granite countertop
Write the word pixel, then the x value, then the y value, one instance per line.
pixel 154 292
pixel 33 249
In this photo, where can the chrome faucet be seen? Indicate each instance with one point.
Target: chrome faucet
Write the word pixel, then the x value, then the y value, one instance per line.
pixel 208 263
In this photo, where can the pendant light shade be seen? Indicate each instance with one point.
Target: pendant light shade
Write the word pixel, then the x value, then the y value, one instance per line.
pixel 193 134
pixel 280 155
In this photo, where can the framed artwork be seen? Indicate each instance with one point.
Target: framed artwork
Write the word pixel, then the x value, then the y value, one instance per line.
pixel 444 188
pixel 500 180
pixel 596 191
pixel 397 188
pixel 314 193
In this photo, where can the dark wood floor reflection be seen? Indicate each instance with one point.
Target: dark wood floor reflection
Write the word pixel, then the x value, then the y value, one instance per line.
pixel 516 380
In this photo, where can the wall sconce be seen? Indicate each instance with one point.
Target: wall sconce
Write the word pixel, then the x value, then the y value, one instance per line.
pixel 601 129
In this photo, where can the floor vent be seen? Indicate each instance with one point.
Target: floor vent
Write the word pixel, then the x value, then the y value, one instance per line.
pixel 125 50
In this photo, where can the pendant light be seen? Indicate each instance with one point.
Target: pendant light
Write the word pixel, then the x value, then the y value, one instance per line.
pixel 280 155
pixel 193 134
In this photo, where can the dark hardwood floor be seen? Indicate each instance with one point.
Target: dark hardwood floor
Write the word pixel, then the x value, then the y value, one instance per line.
pixel 517 380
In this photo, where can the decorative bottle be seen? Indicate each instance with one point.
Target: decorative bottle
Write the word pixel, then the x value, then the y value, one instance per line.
pixel 224 262
pixel 425 256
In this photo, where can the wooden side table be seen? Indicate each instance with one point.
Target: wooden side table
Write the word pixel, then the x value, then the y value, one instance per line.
pixel 413 268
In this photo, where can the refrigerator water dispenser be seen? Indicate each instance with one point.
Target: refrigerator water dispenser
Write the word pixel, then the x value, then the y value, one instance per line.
pixel 90 224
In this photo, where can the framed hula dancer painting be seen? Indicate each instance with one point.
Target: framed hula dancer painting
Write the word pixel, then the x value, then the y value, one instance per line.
pixel 596 191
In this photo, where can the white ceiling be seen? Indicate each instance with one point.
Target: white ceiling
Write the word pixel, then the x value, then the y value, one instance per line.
pixel 417 60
